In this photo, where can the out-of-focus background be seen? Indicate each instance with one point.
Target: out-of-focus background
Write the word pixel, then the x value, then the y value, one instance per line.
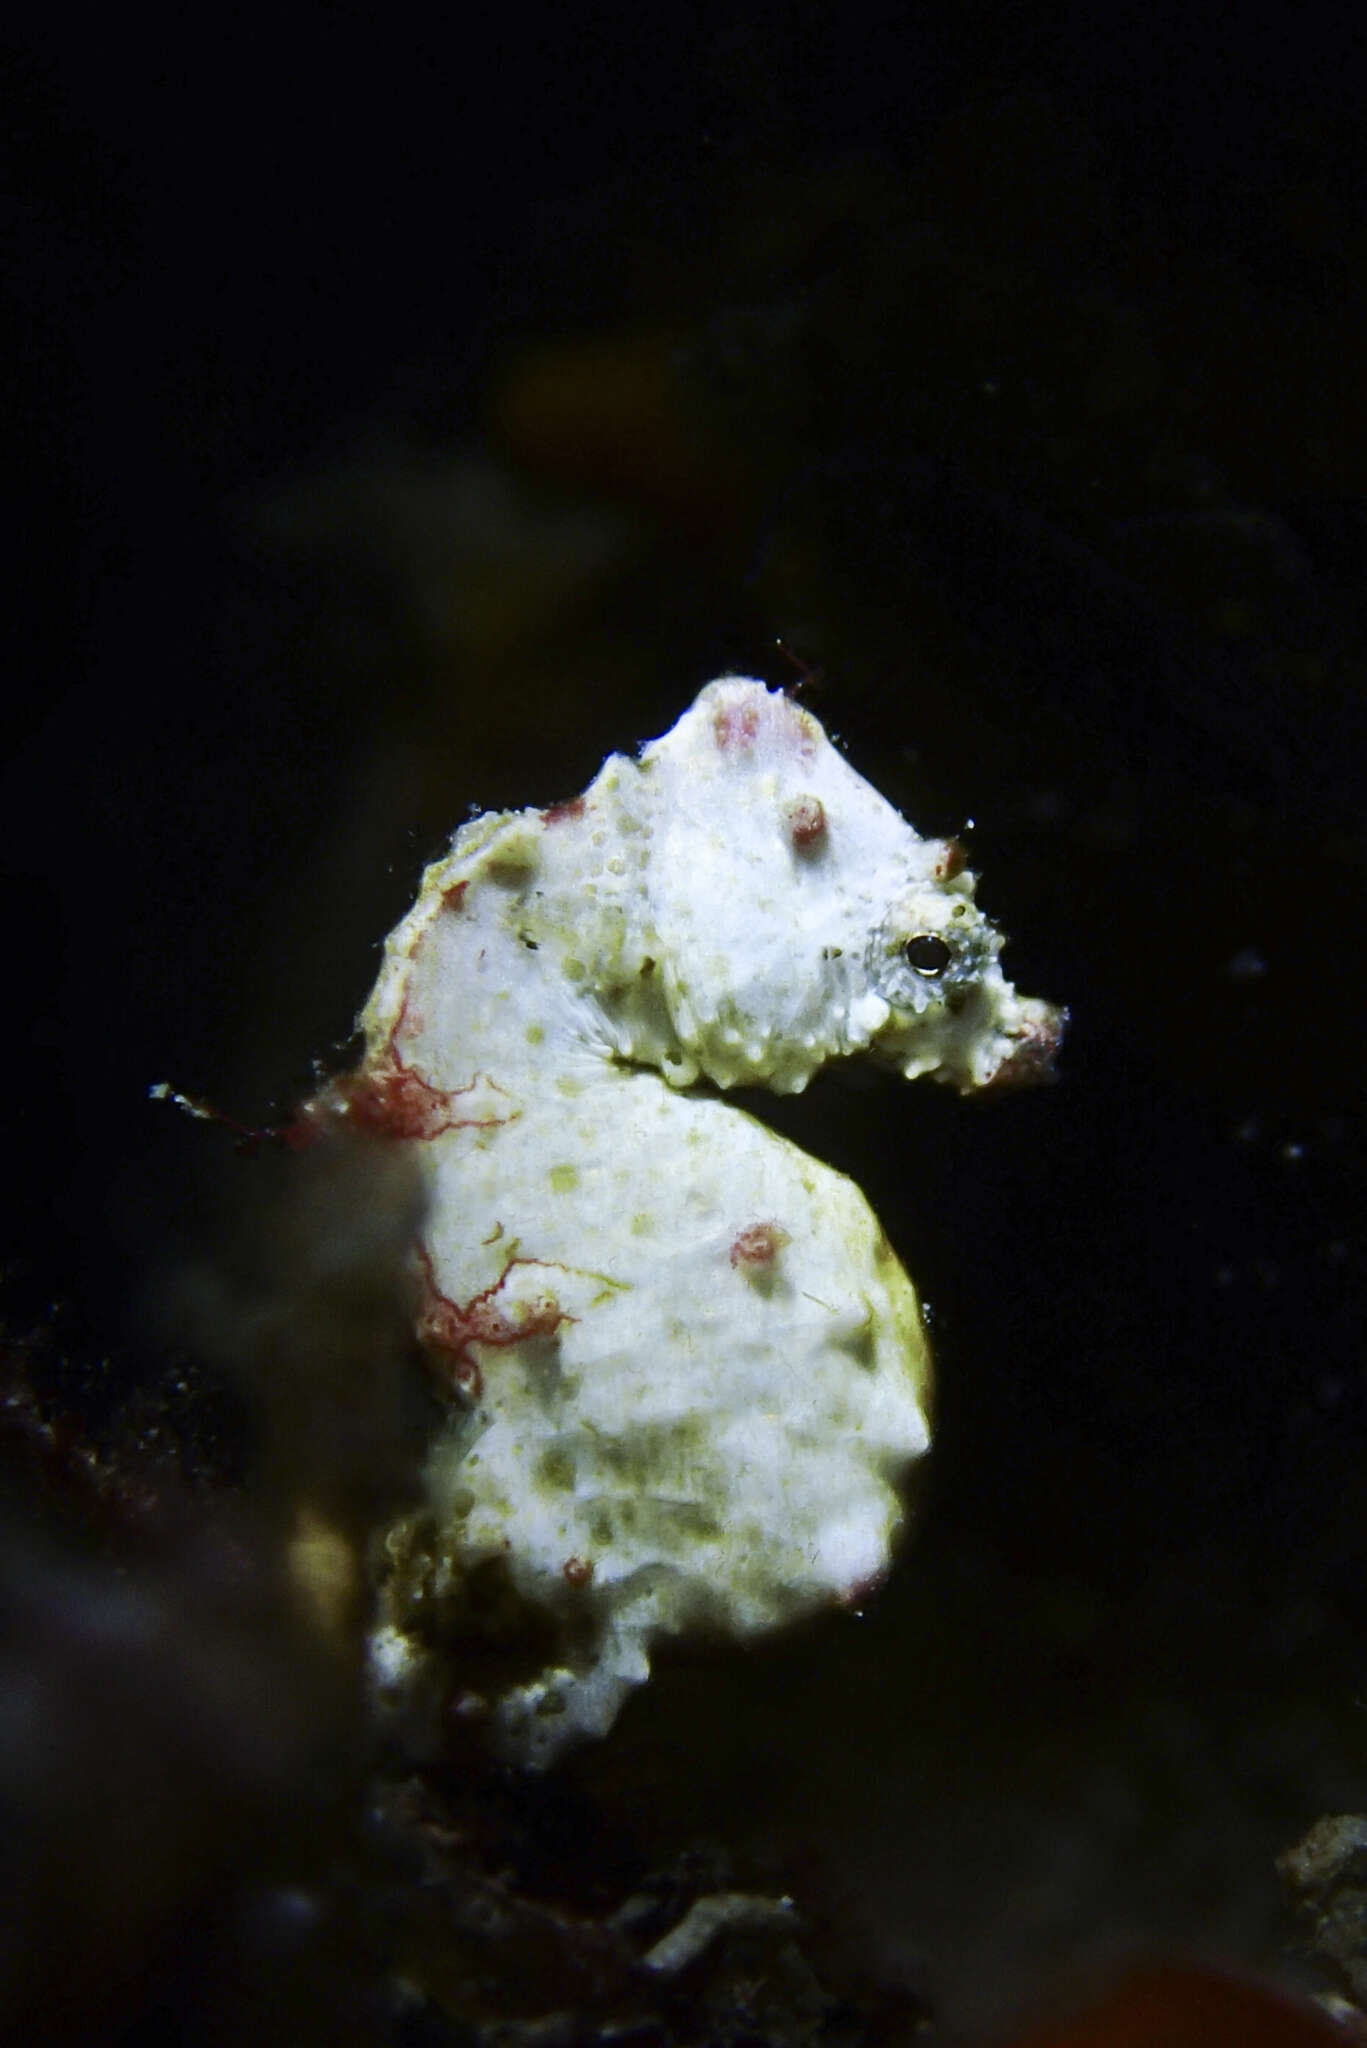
pixel 406 416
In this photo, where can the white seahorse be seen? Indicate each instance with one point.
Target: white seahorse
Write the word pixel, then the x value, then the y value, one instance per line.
pixel 685 1373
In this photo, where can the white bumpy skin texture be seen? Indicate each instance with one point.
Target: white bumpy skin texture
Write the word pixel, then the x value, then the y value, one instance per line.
pixel 683 1373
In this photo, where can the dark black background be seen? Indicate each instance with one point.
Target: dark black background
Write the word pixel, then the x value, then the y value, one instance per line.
pixel 1021 360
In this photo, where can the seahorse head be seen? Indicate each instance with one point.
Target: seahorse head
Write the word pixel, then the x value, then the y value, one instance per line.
pixel 800 918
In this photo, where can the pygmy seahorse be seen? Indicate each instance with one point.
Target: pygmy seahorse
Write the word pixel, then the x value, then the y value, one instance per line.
pixel 682 1373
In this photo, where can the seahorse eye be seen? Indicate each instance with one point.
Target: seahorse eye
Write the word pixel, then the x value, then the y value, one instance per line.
pixel 928 954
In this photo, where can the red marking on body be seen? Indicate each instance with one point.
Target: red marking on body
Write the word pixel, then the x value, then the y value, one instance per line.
pixel 804 820
pixel 739 722
pixel 494 1235
pixel 395 1102
pixel 452 1327
pixel 735 726
pixel 454 897
pixel 950 860
pixel 562 814
pixel 403 1022
pixel 577 1571
pixel 759 1244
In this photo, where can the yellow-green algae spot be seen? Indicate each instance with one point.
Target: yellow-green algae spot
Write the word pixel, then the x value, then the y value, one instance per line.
pixel 535 1034
pixel 555 1468
pixel 564 1179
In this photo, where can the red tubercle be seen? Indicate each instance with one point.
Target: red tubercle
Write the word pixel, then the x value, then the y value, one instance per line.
pixel 577 1571
pixel 564 814
pixel 804 821
pixel 736 726
pixel 453 899
pixel 951 860
pixel 452 1327
pixel 758 1245
pixel 741 720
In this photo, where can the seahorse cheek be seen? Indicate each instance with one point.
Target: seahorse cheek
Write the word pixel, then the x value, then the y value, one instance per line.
pixel 869 1015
